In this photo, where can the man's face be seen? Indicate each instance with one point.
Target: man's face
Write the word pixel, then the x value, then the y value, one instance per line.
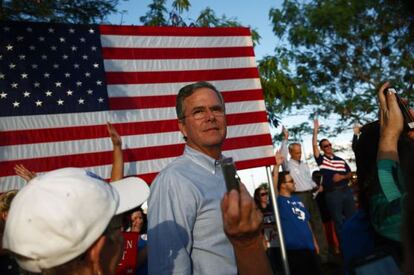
pixel 204 123
pixel 290 184
pixel 295 152
pixel 326 147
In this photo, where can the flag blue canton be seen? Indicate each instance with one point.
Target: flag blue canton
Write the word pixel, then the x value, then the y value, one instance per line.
pixel 50 69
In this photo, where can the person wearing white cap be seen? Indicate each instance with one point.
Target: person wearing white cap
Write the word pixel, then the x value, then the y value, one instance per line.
pixel 67 222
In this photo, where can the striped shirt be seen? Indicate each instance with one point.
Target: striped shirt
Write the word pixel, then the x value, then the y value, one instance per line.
pixel 331 166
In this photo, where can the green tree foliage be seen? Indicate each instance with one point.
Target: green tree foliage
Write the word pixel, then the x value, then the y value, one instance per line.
pixel 335 54
pixel 60 11
pixel 159 15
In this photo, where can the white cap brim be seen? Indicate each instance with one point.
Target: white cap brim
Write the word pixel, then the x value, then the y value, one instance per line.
pixel 132 192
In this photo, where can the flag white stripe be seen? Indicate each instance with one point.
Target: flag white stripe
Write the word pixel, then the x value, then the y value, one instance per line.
pixel 160 65
pixel 160 89
pixel 121 41
pixel 338 169
pixel 51 149
pixel 150 166
pixel 97 118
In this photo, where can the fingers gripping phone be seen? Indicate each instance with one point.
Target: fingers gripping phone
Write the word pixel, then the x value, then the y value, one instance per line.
pixel 230 175
pixel 408 118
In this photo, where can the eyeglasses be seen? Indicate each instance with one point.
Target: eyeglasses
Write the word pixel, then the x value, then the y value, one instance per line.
pixel 327 145
pixel 202 112
pixel 263 194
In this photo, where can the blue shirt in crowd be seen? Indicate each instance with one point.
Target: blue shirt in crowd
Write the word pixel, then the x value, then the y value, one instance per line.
pixel 295 223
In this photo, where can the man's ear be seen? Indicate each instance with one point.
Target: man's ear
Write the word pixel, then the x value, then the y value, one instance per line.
pixel 94 254
pixel 4 215
pixel 182 127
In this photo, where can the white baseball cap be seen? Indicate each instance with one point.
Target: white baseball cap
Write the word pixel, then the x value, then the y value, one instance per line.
pixel 59 215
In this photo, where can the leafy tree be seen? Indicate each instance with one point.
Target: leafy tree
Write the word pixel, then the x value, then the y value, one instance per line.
pixel 61 11
pixel 159 15
pixel 335 54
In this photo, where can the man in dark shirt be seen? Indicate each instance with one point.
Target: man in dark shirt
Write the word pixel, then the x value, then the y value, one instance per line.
pixel 335 177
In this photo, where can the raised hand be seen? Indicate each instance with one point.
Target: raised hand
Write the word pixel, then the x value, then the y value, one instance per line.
pixel 285 133
pixel 113 134
pixel 24 173
pixel 357 129
pixel 279 158
pixel 391 118
pixel 316 124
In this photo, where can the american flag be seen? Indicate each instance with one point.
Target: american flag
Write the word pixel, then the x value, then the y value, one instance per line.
pixel 60 84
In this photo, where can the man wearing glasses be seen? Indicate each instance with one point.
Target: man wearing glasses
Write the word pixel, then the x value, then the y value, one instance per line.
pixel 335 178
pixel 185 224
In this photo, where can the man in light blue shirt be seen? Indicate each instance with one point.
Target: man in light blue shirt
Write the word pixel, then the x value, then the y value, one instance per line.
pixel 185 225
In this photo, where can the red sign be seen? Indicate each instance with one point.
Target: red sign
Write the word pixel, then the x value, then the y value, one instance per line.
pixel 128 263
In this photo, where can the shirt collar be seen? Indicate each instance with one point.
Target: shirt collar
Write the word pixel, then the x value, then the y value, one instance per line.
pixel 333 156
pixel 210 164
pixel 295 161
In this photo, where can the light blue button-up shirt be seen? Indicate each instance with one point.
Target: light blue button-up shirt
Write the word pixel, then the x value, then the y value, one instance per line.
pixel 185 227
pixel 299 171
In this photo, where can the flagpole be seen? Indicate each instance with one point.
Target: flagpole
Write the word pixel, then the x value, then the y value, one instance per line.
pixel 277 219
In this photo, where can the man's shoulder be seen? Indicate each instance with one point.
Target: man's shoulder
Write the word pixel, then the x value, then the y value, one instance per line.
pixel 175 166
pixel 175 178
pixel 336 158
pixel 319 158
pixel 181 170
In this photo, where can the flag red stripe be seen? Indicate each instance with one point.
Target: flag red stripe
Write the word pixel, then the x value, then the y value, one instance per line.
pixel 175 53
pixel 172 31
pixel 100 131
pixel 244 164
pixel 149 177
pixel 179 76
pixel 144 102
pixel 130 155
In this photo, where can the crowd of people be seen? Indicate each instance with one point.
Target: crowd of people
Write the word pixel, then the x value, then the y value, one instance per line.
pixel 70 221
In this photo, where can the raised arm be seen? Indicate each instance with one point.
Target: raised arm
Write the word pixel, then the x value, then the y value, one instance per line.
pixel 284 149
pixel 391 125
pixel 357 131
pixel 242 223
pixel 117 172
pixel 24 173
pixel 315 146
pixel 275 173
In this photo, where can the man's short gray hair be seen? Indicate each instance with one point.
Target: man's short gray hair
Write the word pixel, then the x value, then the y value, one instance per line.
pixel 293 144
pixel 188 90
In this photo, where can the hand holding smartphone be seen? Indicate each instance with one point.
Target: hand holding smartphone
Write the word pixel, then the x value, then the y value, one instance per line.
pixel 408 118
pixel 230 175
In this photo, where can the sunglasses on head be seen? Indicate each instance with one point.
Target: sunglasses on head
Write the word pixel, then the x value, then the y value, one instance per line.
pixel 327 145
pixel 263 194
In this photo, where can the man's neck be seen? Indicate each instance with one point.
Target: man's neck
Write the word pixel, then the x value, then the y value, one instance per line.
pixel 285 193
pixel 213 152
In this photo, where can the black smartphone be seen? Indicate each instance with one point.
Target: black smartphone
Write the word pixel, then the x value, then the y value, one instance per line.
pixel 230 175
pixel 408 118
